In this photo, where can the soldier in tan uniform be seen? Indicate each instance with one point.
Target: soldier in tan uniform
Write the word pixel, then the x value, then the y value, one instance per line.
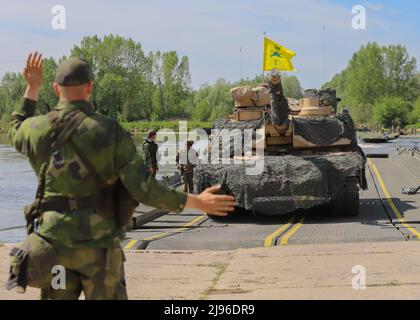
pixel 186 160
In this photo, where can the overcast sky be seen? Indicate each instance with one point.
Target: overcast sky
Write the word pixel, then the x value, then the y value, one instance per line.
pixel 211 32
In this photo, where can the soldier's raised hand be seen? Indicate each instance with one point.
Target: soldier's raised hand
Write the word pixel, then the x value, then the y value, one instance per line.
pixel 209 202
pixel 33 70
pixel 33 75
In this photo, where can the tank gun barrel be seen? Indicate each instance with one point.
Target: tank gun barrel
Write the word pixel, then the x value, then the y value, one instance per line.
pixel 279 103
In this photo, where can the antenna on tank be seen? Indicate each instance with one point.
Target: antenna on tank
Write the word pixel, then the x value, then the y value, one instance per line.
pixel 324 52
pixel 240 61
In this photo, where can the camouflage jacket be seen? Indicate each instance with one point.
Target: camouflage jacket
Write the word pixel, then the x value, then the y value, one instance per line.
pixel 113 153
pixel 150 149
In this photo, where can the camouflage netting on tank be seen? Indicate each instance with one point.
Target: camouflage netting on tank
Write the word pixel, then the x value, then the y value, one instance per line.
pixel 242 125
pixel 327 97
pixel 323 131
pixel 287 183
pixel 236 133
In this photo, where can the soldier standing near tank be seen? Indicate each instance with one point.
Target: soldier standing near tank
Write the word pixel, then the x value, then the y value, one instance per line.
pixel 80 157
pixel 186 160
pixel 150 150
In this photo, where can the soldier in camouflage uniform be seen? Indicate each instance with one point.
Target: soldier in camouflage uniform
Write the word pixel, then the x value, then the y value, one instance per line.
pixel 86 241
pixel 150 149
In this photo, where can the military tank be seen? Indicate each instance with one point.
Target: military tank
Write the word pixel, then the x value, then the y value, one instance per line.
pixel 307 153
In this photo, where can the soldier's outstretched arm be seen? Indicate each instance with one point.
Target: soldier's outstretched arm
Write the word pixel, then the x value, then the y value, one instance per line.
pixel 209 202
pixel 33 77
pixel 144 188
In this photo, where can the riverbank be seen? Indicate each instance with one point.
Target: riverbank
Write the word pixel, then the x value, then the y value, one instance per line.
pixel 140 127
pixel 328 271
pixel 145 126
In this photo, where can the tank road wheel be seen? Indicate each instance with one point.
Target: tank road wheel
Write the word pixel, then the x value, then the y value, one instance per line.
pixel 346 202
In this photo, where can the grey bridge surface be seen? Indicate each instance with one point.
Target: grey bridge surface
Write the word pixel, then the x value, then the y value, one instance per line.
pixel 385 215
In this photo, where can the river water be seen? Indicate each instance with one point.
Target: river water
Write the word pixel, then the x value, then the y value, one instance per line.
pixel 18 184
pixel 18 181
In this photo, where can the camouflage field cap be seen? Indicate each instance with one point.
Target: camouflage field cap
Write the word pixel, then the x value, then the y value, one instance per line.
pixel 73 72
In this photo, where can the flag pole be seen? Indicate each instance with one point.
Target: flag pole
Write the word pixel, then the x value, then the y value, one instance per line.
pixel 263 74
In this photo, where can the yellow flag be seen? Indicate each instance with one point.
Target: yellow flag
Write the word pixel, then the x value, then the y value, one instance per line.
pixel 277 57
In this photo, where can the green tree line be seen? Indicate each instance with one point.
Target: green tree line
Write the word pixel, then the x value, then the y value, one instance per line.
pixel 213 101
pixel 380 84
pixel 131 85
